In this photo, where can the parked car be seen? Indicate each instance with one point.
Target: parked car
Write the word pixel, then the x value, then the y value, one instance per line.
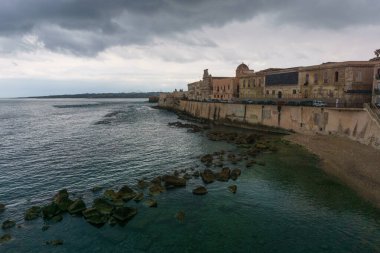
pixel 306 103
pixel 319 103
pixel 293 103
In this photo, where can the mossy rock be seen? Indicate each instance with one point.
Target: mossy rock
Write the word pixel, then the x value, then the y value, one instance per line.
pixel 5 238
pixel 102 206
pixel 232 188
pixel 57 218
pixel 33 213
pixel 139 197
pixel 50 210
pixel 200 190
pixel 235 173
pixel 77 207
pixel 124 213
pixel 8 224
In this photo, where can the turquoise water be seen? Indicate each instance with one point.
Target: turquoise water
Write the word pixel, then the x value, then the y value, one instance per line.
pixel 288 205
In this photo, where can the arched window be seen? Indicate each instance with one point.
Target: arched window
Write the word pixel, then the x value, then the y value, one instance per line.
pixel 336 76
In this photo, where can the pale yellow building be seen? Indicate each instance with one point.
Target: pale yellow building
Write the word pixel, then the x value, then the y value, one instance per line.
pixel 346 82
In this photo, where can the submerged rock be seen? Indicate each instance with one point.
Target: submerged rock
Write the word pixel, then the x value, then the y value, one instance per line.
pixel 124 213
pixel 174 181
pixel 235 173
pixel 208 176
pixel 126 193
pixel 2 207
pixel 94 217
pixel 200 190
pixel 156 180
pixel 180 216
pixel 77 207
pixel 139 197
pixel 5 238
pixel 156 189
pixel 45 227
pixel 56 218
pixel 207 159
pixel 224 174
pixel 96 189
pixel 54 242
pixel 102 206
pixel 142 184
pixel 33 213
pixel 150 203
pixel 8 224
pixel 110 194
pixel 232 188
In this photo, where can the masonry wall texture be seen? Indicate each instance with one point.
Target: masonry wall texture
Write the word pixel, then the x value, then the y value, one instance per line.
pixel 356 124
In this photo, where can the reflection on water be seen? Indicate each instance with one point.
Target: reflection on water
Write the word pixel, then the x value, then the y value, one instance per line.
pixel 287 205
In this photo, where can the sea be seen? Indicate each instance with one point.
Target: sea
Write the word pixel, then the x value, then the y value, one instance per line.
pixel 284 203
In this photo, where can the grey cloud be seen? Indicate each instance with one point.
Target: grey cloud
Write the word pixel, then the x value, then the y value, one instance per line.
pixel 86 27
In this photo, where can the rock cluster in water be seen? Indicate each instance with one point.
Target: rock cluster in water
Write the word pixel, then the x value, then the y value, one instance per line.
pixel 112 207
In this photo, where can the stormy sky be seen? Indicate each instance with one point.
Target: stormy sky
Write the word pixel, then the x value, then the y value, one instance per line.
pixel 77 46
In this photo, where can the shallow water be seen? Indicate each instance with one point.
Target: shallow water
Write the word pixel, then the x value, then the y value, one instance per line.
pixel 288 205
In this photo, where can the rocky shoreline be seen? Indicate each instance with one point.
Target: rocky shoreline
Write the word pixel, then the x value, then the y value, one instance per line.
pixel 113 208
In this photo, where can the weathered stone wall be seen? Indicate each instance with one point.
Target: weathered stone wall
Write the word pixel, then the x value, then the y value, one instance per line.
pixel 356 124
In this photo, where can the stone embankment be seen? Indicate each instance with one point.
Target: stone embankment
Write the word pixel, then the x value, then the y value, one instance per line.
pixel 357 124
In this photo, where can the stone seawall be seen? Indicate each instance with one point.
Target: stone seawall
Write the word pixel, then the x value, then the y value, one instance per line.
pixel 356 124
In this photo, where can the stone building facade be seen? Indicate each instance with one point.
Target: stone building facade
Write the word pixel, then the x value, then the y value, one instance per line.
pixel 282 83
pixel 252 85
pixel 348 82
pixel 376 84
pixel 223 88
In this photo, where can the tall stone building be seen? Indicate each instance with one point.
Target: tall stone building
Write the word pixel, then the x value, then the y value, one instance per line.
pixel 347 82
pixel 376 84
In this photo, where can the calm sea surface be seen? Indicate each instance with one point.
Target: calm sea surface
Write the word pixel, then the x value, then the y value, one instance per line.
pixel 288 205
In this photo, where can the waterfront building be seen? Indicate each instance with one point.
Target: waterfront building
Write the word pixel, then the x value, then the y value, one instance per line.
pixel 344 82
pixel 376 84
pixel 224 88
pixel 282 83
pixel 252 85
pixel 193 90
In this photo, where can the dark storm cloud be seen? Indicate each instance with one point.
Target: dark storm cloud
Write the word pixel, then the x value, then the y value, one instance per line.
pixel 86 27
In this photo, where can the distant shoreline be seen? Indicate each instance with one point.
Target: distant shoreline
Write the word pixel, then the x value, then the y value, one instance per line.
pixel 102 95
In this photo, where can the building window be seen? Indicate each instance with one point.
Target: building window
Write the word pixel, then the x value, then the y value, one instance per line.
pixel 325 77
pixel 294 91
pixel 358 76
pixel 307 79
pixel 336 76
pixel 259 82
pixel 273 92
pixel 228 86
pixel 267 92
pixel 315 78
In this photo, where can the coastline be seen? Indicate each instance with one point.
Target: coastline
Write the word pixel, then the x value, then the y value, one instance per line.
pixel 353 163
